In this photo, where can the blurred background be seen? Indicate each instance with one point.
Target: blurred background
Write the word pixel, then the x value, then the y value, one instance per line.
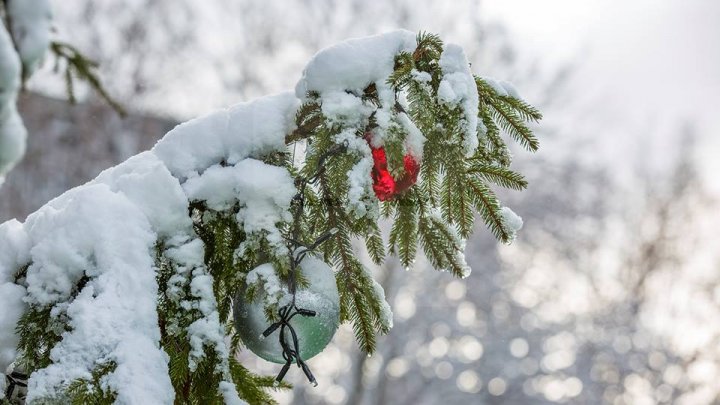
pixel 610 294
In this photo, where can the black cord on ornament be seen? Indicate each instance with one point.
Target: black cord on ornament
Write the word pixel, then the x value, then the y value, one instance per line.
pixel 291 351
pixel 15 379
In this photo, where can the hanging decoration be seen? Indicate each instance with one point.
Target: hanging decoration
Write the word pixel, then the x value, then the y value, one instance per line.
pixel 384 185
pixel 307 323
pixel 318 305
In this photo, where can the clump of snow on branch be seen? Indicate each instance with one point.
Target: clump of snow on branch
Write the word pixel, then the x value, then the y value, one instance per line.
pixel 15 241
pixel 361 200
pixel 230 394
pixel 458 88
pixel 229 135
pixel 386 314
pixel 93 232
pixel 415 140
pixel 30 31
pixel 354 64
pixel 502 87
pixel 265 276
pixel 264 192
pixel 512 222
pixel 436 215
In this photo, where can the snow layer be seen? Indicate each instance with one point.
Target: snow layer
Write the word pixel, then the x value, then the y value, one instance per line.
pixel 512 222
pixel 144 180
pixel 346 109
pixel 270 282
pixel 263 191
pixel 457 87
pixel 94 232
pixel 187 257
pixel 13 239
pixel 230 135
pixel 354 64
pixel 9 69
pixel 230 394
pixel 502 87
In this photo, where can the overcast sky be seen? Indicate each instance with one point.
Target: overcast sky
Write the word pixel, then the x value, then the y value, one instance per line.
pixel 640 67
pixel 648 64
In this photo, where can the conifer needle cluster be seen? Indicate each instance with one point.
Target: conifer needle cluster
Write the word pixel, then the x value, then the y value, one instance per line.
pixel 418 109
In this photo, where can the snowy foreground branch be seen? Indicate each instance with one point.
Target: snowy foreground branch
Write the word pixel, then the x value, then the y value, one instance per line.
pixel 120 290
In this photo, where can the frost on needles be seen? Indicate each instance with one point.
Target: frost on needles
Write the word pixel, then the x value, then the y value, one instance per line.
pixel 119 291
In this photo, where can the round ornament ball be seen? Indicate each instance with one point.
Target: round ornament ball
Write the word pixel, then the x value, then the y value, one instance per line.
pixel 314 332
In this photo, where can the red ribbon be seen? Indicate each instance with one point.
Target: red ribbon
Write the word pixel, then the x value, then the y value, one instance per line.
pixel 384 185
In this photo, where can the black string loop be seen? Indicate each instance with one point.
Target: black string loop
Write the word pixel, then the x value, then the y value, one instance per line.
pixel 298 251
pixel 15 379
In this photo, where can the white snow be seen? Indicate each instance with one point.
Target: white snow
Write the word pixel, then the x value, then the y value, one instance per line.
pixel 354 64
pixel 229 393
pixel 345 109
pixel 457 87
pixel 422 77
pixel 187 257
pixel 14 239
pixel 107 230
pixel 145 181
pixel 246 129
pixel 264 192
pixel 415 140
pixel 502 87
pixel 12 131
pixel 202 332
pixel 386 314
pixel 30 26
pixel 320 276
pixel 9 69
pixel 271 285
pixel 361 200
pixel 94 232
pixel 13 308
pixel 511 221
pixel 383 119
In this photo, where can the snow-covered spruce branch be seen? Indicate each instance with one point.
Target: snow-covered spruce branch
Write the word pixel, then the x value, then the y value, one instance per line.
pixel 119 291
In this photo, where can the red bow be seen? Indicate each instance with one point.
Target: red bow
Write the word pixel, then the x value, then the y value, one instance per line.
pixel 384 185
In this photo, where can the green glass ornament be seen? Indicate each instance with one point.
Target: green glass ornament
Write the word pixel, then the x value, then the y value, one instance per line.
pixel 314 333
